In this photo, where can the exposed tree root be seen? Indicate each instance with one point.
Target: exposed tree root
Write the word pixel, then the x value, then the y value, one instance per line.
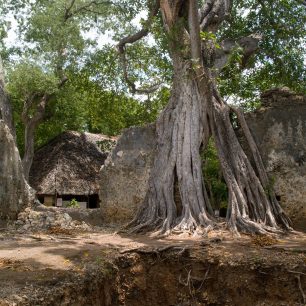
pixel 298 278
pixel 251 207
pixel 156 251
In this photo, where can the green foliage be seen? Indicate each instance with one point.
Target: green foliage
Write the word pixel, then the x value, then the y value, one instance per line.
pixel 28 81
pixel 55 36
pixel 106 145
pixel 280 60
pixel 27 78
pixel 73 204
pixel 213 176
pixel 211 37
pixel 96 97
pixel 269 189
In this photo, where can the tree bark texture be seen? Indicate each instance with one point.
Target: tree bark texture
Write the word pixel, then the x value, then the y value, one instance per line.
pixel 195 113
pixel 15 193
pixel 181 131
pixel 6 113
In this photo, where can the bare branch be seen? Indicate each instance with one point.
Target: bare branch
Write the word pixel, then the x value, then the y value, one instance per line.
pixel 130 40
pixel 67 12
pixel 205 9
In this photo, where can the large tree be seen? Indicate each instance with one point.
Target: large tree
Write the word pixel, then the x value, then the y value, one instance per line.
pixel 195 113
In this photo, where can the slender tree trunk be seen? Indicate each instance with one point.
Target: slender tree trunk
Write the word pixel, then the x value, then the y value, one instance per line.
pixel 28 156
pixel 31 123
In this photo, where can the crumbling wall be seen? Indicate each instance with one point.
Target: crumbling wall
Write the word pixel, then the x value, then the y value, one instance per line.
pixel 15 193
pixel 279 129
pixel 124 176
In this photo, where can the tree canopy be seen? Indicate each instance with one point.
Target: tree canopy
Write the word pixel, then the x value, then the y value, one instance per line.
pixel 59 40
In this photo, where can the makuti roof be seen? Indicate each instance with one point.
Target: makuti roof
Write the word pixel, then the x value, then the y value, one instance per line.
pixel 69 164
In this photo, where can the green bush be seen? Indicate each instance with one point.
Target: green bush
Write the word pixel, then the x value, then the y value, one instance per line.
pixel 73 204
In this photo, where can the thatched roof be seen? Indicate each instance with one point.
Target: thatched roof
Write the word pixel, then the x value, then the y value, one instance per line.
pixel 70 163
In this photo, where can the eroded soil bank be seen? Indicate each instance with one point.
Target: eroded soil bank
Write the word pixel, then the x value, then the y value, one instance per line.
pixel 105 269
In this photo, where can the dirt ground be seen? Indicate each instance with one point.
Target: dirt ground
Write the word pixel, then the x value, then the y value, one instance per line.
pixel 33 264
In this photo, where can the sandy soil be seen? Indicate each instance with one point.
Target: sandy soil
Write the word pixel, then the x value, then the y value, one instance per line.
pixel 44 259
pixel 51 251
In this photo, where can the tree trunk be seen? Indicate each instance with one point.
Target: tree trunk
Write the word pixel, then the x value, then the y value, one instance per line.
pixel 15 193
pixel 28 156
pixel 251 208
pixel 6 113
pixel 31 122
pixel 181 130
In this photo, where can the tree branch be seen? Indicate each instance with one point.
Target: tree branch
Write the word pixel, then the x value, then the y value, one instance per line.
pixel 70 13
pixel 194 31
pixel 43 101
pixel 121 47
pixel 213 13
pixel 67 11
pixel 249 44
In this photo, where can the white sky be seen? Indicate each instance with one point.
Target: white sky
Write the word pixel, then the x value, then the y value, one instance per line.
pixel 12 38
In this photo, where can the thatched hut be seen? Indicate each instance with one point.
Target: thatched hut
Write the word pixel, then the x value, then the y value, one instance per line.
pixel 67 168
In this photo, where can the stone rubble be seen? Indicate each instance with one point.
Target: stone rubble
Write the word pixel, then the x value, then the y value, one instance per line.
pixel 31 220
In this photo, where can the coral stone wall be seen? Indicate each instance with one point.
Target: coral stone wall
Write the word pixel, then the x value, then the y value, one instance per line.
pixel 279 129
pixel 124 176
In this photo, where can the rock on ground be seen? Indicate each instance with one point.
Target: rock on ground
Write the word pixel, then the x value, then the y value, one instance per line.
pixel 31 220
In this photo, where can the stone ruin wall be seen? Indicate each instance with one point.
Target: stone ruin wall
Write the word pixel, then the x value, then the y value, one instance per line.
pixel 125 174
pixel 279 128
